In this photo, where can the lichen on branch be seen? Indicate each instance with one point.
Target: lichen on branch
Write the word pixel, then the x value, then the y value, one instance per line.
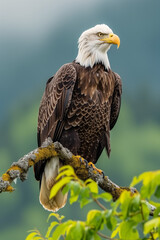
pixel 49 149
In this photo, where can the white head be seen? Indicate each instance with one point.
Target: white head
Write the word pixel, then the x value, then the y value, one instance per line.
pixel 93 45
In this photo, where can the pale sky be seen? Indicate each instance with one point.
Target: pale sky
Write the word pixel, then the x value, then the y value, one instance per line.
pixel 37 16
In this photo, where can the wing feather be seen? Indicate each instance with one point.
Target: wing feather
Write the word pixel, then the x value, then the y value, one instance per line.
pixel 53 108
pixel 116 101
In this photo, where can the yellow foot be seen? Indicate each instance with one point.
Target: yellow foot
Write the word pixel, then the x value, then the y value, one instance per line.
pixel 82 160
pixel 98 170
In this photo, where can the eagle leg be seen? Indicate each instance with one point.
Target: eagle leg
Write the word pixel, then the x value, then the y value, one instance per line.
pixel 83 160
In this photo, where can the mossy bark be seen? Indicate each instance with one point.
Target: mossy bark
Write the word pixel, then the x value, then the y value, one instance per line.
pixel 49 149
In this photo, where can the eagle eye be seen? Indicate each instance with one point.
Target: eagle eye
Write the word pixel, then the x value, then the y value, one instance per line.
pixel 100 34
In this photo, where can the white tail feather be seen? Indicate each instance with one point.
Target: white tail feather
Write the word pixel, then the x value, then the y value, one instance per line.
pixel 47 182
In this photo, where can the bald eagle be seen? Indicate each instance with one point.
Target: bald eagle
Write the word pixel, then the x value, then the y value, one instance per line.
pixel 79 107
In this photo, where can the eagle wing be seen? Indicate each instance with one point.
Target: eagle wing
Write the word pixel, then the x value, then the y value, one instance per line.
pixel 53 108
pixel 116 101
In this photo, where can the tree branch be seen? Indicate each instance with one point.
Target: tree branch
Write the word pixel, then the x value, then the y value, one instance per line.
pixel 49 149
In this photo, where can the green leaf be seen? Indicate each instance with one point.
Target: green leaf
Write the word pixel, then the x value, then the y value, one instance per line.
pixel 61 229
pixel 92 185
pixel 75 190
pixel 84 196
pixel 105 196
pixel 145 177
pixel 125 199
pixel 115 232
pixel 31 236
pixel 68 172
pixel 155 204
pixel 95 219
pixel 96 237
pixel 157 212
pixel 127 231
pixel 115 205
pixel 59 185
pixel 145 210
pixel 147 190
pixel 135 181
pixel 56 215
pixel 52 225
pixel 66 188
pixel 155 236
pixel 85 201
pixel 129 204
pixel 38 238
pixel 153 223
pixel 150 182
pixel 91 235
pixel 157 192
pixel 84 193
pixel 111 221
pixel 76 231
pixel 66 168
pixel 73 197
pixel 75 186
pixel 134 203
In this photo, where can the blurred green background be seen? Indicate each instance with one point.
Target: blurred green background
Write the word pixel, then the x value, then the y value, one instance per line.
pixel 37 37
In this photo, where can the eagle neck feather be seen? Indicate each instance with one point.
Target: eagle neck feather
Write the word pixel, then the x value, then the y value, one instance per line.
pixel 89 59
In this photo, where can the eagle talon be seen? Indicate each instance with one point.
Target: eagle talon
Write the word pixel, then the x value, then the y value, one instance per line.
pixel 98 170
pixel 103 174
pixel 82 160
pixel 86 162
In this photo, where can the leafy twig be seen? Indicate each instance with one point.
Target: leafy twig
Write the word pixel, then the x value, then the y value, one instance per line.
pixel 151 234
pixel 104 236
pixel 99 204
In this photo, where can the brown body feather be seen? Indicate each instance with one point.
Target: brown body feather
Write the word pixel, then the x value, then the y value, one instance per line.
pixel 79 108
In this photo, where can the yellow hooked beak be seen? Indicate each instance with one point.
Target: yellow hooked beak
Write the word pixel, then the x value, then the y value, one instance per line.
pixel 112 39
